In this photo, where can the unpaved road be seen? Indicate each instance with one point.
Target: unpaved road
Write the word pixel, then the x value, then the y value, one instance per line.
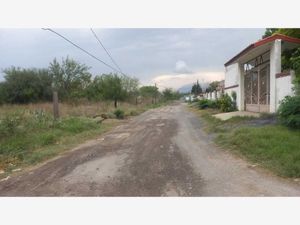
pixel 162 152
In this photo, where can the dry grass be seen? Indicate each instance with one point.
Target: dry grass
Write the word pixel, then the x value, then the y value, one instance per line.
pixel 29 135
pixel 85 109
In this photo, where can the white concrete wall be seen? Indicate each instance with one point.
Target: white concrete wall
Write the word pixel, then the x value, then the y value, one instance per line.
pixel 233 77
pixel 213 95
pixel 219 94
pixel 275 67
pixel 284 87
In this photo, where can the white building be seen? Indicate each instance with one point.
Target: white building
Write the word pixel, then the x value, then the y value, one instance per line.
pixel 255 74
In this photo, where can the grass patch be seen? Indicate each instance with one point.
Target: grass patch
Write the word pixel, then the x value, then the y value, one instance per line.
pixel 274 147
pixel 40 143
pixel 214 125
pixel 29 135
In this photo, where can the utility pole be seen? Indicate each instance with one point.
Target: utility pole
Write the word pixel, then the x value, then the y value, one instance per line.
pixel 55 105
pixel 55 101
pixel 155 94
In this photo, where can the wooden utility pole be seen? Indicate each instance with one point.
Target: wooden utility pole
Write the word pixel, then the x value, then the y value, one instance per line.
pixel 155 95
pixel 55 105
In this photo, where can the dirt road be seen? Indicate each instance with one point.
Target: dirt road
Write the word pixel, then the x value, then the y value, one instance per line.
pixel 162 152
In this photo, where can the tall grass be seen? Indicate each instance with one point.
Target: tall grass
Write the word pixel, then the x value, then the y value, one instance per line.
pixel 273 146
pixel 23 132
pixel 88 109
pixel 28 133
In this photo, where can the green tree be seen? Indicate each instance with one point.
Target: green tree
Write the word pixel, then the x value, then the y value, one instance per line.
pixel 3 93
pixel 269 32
pixel 112 88
pixel 94 90
pixel 149 92
pixel 70 77
pixel 196 89
pixel 170 94
pixel 25 85
pixel 291 57
pixel 131 86
pixel 295 32
pixel 213 85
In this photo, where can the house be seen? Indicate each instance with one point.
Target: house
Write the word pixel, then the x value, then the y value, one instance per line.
pixel 215 94
pixel 255 74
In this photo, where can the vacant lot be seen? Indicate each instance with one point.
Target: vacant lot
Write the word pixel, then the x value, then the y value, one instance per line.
pixel 262 141
pixel 28 133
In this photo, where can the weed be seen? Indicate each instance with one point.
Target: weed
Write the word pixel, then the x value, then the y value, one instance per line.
pixel 120 114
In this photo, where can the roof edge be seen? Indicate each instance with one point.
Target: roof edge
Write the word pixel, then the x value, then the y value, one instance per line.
pixel 262 42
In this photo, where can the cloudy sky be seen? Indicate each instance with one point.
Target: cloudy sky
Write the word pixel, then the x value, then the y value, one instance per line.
pixel 168 57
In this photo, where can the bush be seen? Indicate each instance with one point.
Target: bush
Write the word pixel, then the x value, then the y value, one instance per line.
pixel 289 111
pixel 233 95
pixel 206 103
pixel 226 104
pixel 9 124
pixel 119 113
pixel 133 113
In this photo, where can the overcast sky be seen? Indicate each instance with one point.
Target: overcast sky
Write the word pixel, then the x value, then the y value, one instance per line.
pixel 169 57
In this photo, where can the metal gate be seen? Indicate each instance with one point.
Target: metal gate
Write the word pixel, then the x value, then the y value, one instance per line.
pixel 257 89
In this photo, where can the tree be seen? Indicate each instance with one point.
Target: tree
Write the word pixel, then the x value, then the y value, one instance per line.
pixel 149 92
pixel 112 88
pixel 131 86
pixel 291 58
pixel 170 94
pixel 25 85
pixel 70 78
pixel 213 86
pixel 196 89
pixel 94 90
pixel 3 93
pixel 295 32
pixel 269 32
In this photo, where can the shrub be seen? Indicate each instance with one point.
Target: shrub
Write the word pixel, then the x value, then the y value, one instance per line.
pixel 233 96
pixel 226 104
pixel 206 103
pixel 289 111
pixel 133 113
pixel 203 103
pixel 9 124
pixel 111 115
pixel 119 113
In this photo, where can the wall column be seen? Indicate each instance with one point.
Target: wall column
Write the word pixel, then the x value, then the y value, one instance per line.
pixel 240 96
pixel 275 67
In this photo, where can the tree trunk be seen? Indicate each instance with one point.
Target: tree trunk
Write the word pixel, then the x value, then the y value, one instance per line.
pixel 116 103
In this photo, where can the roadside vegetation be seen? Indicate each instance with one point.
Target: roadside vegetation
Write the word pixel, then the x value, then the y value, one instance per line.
pixel 88 106
pixel 263 141
pixel 271 141
pixel 225 103
pixel 29 134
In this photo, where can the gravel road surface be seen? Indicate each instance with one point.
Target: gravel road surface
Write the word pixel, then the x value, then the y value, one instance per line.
pixel 162 152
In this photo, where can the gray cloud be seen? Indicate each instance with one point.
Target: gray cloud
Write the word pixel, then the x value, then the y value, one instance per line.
pixel 144 53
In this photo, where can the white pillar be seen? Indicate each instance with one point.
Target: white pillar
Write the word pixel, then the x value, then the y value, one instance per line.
pixel 275 67
pixel 240 93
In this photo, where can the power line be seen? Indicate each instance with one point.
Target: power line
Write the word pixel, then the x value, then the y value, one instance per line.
pixel 77 46
pixel 114 62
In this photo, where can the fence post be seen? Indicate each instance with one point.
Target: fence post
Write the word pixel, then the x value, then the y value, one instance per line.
pixel 55 105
